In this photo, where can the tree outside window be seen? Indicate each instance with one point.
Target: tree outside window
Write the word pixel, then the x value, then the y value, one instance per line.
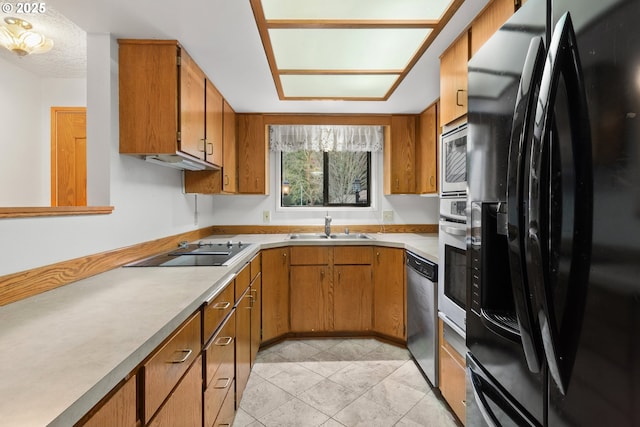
pixel 333 178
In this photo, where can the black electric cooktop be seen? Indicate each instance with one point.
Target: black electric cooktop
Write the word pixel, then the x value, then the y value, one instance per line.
pixel 199 254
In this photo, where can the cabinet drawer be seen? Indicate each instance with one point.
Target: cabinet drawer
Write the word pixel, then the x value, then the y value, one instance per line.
pixel 169 363
pixel 310 255
pixel 352 255
pixel 215 311
pixel 219 353
pixel 184 407
pixel 255 267
pixel 227 410
pixel 215 398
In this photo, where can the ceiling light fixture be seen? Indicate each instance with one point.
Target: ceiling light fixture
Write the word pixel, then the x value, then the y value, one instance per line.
pixel 17 36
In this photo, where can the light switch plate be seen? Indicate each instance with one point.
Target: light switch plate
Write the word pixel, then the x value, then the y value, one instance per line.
pixel 266 217
pixel 387 216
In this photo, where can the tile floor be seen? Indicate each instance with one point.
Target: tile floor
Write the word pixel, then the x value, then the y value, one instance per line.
pixel 339 382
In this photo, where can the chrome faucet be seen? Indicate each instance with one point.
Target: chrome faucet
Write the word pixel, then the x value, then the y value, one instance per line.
pixel 327 225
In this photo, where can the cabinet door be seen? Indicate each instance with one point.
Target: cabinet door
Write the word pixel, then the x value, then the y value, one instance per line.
pixel 256 315
pixel 453 80
pixel 353 295
pixel 275 293
pixel 229 165
pixel 243 343
pixel 192 107
pixel 227 411
pixel 399 156
pixel 184 406
pixel 489 21
pixel 119 410
pixel 389 292
pixel 427 151
pixel 452 377
pixel 213 124
pixel 253 156
pixel 148 92
pixel 311 309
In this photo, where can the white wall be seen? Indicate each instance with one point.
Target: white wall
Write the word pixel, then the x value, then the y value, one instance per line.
pixel 407 209
pixel 20 137
pixel 148 199
pixel 25 140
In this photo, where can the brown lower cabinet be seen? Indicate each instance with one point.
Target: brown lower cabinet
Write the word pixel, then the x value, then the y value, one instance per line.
pixel 119 410
pixel 198 375
pixel 184 405
pixel 452 376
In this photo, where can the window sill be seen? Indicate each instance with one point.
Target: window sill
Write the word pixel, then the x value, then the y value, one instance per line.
pixel 24 212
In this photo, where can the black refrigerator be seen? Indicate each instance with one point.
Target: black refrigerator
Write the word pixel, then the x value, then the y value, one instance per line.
pixel 553 227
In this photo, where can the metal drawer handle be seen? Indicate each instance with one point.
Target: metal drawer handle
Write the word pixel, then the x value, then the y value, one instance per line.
pixel 226 383
pixel 187 352
pixel 222 305
pixel 224 341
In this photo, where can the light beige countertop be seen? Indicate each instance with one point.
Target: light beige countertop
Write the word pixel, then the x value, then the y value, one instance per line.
pixel 63 350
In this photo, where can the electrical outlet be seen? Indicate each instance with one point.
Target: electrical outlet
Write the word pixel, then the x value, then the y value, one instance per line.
pixel 387 216
pixel 266 217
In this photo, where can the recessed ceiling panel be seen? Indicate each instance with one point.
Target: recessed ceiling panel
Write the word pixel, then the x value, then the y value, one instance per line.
pixel 346 49
pixel 337 86
pixel 355 9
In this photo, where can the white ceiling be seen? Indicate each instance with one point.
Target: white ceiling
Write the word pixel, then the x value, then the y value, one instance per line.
pixel 222 37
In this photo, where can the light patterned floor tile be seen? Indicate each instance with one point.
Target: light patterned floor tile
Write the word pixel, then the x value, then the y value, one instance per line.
pixel 366 413
pixel 296 379
pixel 326 368
pixel 339 383
pixel 430 412
pixel 263 398
pixel 409 375
pixel 329 397
pixel 395 396
pixel 364 375
pixel 297 351
pixel 294 413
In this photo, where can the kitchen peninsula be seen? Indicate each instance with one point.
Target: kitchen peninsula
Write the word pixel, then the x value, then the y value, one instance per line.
pixel 66 357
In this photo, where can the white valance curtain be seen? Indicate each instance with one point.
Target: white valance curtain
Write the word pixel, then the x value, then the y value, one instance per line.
pixel 325 138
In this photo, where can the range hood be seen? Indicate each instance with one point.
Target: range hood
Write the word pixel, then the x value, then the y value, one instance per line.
pixel 180 161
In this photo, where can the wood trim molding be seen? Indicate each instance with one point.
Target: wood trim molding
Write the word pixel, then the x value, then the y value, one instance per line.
pixel 17 286
pixel 22 212
pixel 286 229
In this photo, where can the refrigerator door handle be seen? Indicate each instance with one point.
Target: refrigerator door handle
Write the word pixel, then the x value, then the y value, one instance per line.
pixel 485 389
pixel 521 133
pixel 560 341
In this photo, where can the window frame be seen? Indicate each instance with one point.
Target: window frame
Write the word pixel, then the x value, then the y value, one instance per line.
pixel 371 202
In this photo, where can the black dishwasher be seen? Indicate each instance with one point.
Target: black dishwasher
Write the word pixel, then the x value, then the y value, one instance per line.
pixel 422 314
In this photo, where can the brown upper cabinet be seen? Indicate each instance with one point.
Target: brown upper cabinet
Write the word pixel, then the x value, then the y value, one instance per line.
pixel 399 156
pixel 453 80
pixel 490 20
pixel 229 164
pixel 427 151
pixel 224 180
pixel 252 154
pixel 167 104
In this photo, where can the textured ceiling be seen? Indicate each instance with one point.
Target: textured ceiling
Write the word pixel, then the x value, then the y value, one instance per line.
pixel 222 37
pixel 67 59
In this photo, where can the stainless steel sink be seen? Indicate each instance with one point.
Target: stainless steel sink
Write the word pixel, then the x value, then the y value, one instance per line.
pixel 357 236
pixel 321 236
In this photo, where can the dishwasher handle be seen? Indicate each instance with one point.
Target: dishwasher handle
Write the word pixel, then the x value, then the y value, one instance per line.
pixel 422 266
